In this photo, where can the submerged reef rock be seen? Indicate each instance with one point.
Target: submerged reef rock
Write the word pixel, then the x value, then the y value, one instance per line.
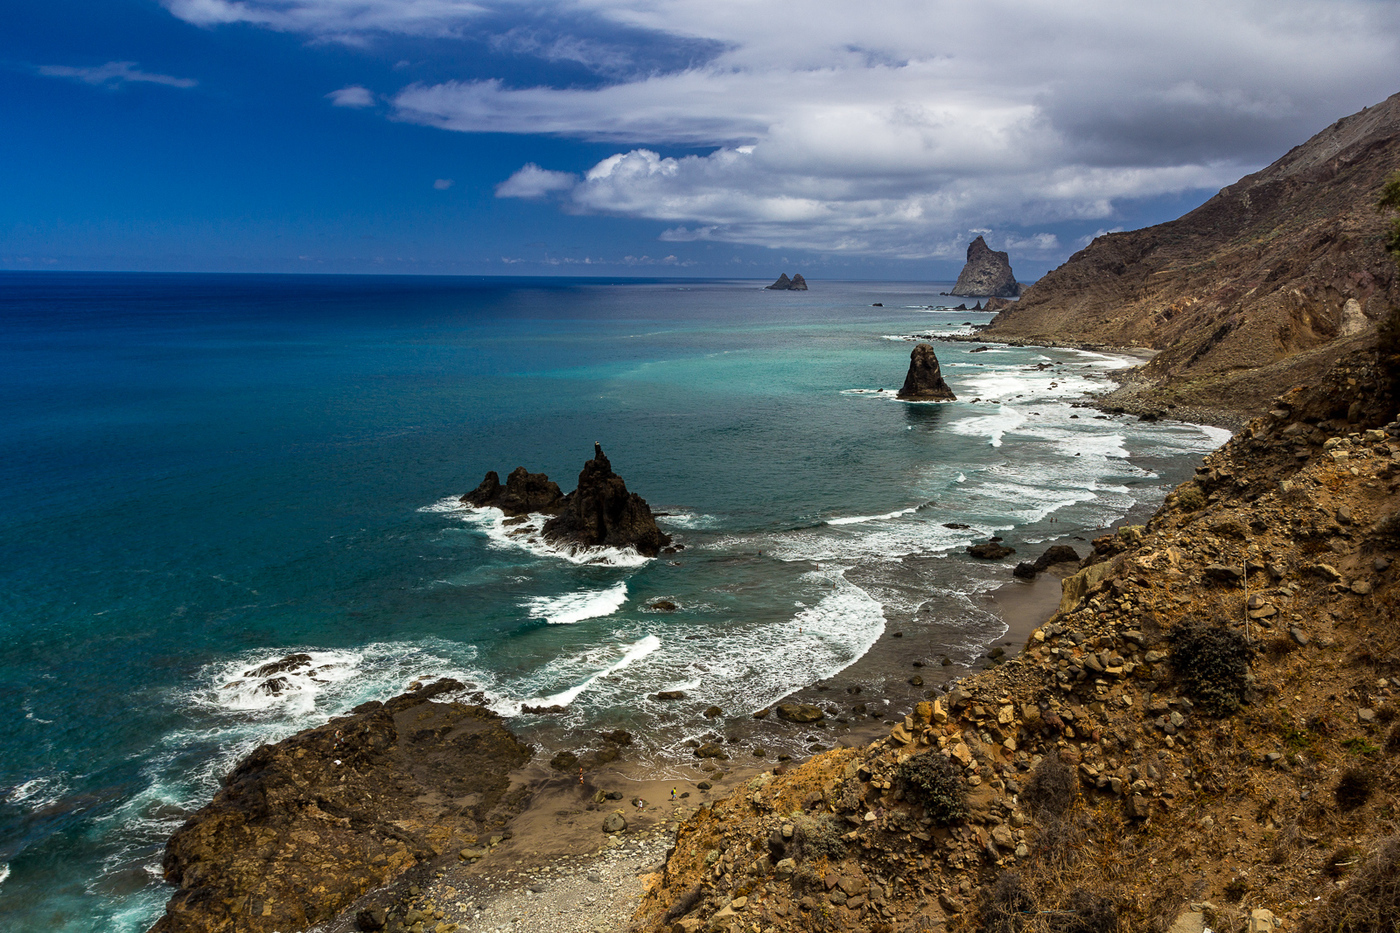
pixel 304 827
pixel 924 382
pixel 602 513
pixel 988 272
pixel 784 284
pixel 599 513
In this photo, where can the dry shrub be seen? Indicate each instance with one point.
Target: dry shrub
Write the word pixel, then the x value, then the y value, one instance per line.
pixel 1088 913
pixel 816 837
pixel 1354 787
pixel 1369 903
pixel 1050 790
pixel 1006 905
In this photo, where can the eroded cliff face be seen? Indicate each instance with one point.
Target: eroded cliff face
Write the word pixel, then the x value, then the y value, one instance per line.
pixel 1203 731
pixel 1261 288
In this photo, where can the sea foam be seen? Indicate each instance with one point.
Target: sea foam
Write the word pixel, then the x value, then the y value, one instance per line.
pixel 577 607
pixel 528 535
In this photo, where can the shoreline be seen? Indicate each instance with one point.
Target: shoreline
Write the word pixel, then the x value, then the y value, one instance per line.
pixel 557 871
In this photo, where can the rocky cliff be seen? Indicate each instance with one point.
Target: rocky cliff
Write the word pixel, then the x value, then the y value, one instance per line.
pixel 304 827
pixel 599 513
pixel 1205 734
pixel 1259 289
pixel 924 381
pixel 986 273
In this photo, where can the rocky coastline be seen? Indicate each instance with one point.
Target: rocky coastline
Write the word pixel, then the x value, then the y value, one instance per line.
pixel 1202 734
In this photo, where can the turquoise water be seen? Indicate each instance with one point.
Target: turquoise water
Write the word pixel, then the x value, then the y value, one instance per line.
pixel 204 473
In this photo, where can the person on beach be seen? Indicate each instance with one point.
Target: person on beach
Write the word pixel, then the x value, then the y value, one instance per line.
pixel 673 793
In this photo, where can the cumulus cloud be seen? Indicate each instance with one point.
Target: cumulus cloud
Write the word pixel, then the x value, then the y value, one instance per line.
pixel 893 127
pixel 114 74
pixel 533 182
pixel 352 96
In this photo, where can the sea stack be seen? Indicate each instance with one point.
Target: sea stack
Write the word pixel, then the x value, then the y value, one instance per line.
pixel 924 383
pixel 987 273
pixel 602 513
pixel 599 513
pixel 784 284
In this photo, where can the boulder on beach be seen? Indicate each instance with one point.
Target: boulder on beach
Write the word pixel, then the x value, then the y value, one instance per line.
pixel 924 381
pixel 990 550
pixel 800 712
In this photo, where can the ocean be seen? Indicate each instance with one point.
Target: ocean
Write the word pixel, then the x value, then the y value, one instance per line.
pixel 201 474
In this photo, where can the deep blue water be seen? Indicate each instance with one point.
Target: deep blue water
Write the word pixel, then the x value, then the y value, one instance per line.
pixel 202 473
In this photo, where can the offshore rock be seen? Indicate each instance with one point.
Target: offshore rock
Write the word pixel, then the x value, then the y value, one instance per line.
pixel 784 284
pixel 522 494
pixel 602 513
pixel 988 272
pixel 599 513
pixel 924 381
pixel 304 827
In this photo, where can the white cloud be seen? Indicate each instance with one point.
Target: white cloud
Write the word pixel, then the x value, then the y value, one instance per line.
pixel 893 127
pixel 351 21
pixel 114 74
pixel 442 184
pixel 352 96
pixel 534 182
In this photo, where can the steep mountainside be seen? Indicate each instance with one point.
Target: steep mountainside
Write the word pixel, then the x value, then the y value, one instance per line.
pixel 1205 734
pixel 1259 289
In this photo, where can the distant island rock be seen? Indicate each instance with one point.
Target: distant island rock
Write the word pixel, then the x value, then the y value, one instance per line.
pixel 784 284
pixel 924 382
pixel 599 513
pixel 987 273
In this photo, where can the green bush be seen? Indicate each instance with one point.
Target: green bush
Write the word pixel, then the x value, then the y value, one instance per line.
pixel 1212 665
pixel 1190 498
pixel 933 780
pixel 815 837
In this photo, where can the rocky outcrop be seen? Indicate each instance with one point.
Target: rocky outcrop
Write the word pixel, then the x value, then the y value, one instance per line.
pixel 599 513
pixel 602 513
pixel 522 494
pixel 1261 288
pixel 924 381
pixel 784 284
pixel 987 273
pixel 304 827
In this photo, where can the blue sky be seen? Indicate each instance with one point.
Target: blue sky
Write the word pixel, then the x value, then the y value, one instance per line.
pixel 646 137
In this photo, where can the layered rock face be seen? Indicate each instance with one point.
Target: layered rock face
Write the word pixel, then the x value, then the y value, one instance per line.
pixel 784 284
pixel 1261 288
pixel 304 827
pixel 599 513
pixel 924 381
pixel 602 513
pixel 987 272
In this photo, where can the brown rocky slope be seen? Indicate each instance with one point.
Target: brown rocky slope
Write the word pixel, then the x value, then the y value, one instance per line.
pixel 1206 732
pixel 1262 287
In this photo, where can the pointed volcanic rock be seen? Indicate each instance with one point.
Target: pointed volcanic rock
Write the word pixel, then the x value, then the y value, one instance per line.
pixel 987 273
pixel 798 284
pixel 783 284
pixel 924 382
pixel 522 494
pixel 602 513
